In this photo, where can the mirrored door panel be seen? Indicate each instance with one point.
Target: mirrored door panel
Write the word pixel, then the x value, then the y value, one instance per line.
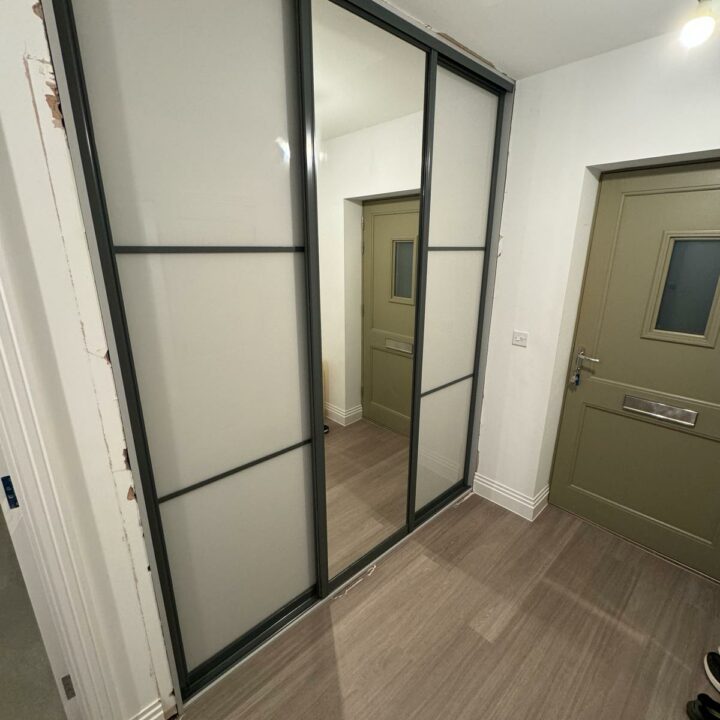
pixel 462 167
pixel 369 95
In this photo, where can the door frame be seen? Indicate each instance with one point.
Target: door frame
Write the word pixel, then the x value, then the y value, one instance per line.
pixel 66 53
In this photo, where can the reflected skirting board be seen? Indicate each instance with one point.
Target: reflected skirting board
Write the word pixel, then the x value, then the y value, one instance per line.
pixel 342 416
pixel 525 506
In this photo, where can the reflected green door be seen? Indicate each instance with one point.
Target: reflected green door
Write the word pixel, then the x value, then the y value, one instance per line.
pixel 390 234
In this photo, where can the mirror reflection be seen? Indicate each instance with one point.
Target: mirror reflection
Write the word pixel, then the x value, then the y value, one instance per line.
pixel 369 91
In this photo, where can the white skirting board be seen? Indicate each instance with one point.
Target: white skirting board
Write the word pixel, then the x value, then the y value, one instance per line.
pixel 153 711
pixel 526 506
pixel 342 416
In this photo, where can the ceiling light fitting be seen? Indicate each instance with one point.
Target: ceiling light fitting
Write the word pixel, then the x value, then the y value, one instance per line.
pixel 699 27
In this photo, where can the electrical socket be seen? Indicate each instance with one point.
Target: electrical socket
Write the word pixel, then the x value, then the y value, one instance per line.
pixel 520 338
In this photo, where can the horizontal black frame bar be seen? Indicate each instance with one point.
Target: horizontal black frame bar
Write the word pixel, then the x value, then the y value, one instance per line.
pixel 446 385
pixel 199 249
pixel 455 248
pixel 233 471
pixel 362 562
pixel 216 665
pixel 438 503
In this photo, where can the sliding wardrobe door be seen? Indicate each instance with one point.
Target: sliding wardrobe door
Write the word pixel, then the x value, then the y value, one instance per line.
pixel 462 168
pixel 195 117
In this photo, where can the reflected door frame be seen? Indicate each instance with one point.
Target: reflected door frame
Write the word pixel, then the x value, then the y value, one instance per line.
pixel 66 54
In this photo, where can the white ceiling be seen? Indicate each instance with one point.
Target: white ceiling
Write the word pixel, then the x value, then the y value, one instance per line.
pixel 363 75
pixel 524 37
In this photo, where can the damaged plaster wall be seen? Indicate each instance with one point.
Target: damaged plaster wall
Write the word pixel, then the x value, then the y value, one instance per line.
pixel 46 275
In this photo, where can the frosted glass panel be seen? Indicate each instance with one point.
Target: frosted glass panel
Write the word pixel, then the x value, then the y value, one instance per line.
pixel 219 347
pixel 444 417
pixel 452 305
pixel 239 550
pixel 194 107
pixel 690 286
pixel 464 138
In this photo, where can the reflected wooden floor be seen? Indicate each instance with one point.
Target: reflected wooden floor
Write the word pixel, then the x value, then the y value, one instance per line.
pixel 366 467
pixel 483 615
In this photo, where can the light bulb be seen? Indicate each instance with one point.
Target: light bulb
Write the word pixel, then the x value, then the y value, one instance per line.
pixel 697 30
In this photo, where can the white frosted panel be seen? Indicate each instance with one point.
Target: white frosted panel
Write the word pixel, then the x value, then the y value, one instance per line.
pixel 239 550
pixel 464 138
pixel 454 279
pixel 195 118
pixel 219 346
pixel 444 419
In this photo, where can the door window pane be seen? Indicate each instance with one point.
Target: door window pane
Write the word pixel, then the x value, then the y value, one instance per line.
pixel 690 286
pixel 403 269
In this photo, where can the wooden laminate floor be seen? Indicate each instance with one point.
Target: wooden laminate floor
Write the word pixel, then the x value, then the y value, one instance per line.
pixel 366 469
pixel 482 615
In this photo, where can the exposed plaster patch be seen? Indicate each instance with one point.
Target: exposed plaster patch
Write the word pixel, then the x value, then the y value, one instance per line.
pixel 466 49
pixel 40 75
pixel 53 100
pixel 37 9
pixel 434 31
pixel 131 493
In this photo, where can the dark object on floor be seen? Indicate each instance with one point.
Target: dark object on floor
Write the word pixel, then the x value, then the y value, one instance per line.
pixel 711 706
pixel 712 669
pixel 698 710
pixel 326 429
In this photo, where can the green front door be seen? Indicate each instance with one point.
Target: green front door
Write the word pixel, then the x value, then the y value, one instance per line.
pixel 390 235
pixel 638 449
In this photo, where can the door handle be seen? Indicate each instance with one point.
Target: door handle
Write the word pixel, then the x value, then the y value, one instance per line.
pixel 581 358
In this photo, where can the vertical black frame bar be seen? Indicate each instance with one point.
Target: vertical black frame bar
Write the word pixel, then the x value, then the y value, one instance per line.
pixel 312 279
pixel 80 106
pixel 425 190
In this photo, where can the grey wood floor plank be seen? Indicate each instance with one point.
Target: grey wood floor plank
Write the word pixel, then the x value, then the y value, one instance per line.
pixel 481 614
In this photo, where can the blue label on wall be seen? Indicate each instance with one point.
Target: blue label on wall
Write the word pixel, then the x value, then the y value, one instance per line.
pixel 10 492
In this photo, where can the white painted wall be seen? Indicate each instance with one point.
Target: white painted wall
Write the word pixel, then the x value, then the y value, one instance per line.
pixel 384 159
pixel 59 403
pixel 650 100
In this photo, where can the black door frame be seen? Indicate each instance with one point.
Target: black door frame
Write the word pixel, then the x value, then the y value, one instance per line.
pixel 76 102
